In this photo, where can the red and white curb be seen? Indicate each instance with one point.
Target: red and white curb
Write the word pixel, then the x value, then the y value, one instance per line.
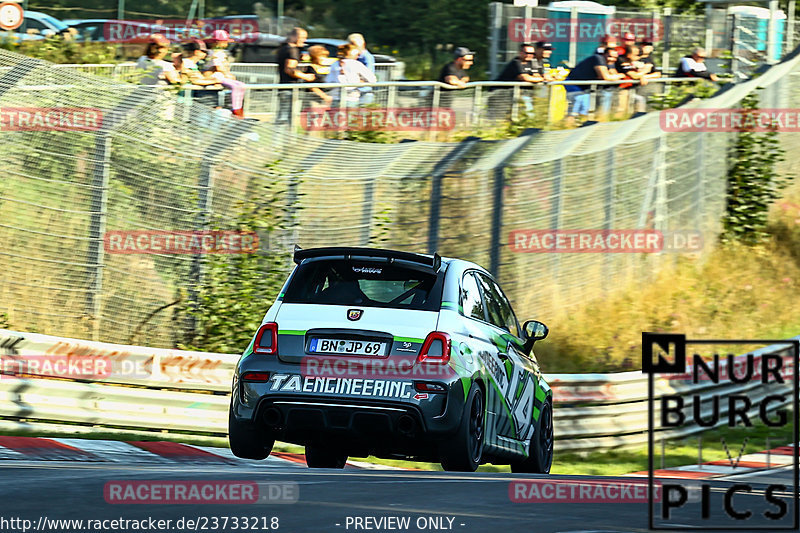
pixel 752 462
pixel 142 452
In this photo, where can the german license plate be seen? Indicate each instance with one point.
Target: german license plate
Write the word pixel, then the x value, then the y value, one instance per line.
pixel 347 347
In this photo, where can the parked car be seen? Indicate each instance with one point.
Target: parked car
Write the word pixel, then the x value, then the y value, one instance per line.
pixel 425 359
pixel 37 25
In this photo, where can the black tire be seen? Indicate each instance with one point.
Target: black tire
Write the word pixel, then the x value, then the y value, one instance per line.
pixel 321 456
pixel 463 452
pixel 541 450
pixel 247 440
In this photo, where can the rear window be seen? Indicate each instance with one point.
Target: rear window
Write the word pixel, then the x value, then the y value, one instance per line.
pixel 343 282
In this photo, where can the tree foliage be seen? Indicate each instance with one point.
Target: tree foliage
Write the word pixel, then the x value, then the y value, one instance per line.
pixel 753 181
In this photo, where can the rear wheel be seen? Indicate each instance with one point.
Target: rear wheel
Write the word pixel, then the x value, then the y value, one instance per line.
pixel 541 448
pixel 463 452
pixel 319 456
pixel 248 440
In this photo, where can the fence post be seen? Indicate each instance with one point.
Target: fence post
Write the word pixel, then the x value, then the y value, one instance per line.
pixel 97 227
pixel 555 214
pixel 230 132
pixel 611 184
pixel 700 195
pixel 441 168
pixel 495 27
pixel 101 173
pixel 667 41
pixel 507 153
pixel 573 43
pixel 434 105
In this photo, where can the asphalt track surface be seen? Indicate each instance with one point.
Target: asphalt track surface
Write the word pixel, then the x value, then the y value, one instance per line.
pixel 326 498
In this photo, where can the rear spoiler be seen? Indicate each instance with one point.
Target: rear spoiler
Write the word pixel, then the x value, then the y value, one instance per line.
pixel 432 262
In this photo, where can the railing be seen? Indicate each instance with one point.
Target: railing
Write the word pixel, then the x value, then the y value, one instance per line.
pixel 246 72
pixel 158 390
pixel 480 104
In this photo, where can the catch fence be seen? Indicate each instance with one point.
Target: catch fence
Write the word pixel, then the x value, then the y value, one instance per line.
pixel 152 164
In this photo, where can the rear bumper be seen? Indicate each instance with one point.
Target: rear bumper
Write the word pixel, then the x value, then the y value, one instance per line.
pixel 397 426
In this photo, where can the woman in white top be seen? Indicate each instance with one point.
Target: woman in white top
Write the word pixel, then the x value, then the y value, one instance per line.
pixel 349 70
pixel 158 71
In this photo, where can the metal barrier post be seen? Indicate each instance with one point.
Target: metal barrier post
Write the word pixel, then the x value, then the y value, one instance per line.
pixel 611 185
pixel 511 149
pixel 476 107
pixel 187 104
pixel 496 25
pixel 667 29
pixel 515 102
pixel 101 172
pixel 434 105
pixel 573 44
pixel 391 98
pixel 296 104
pixel 441 168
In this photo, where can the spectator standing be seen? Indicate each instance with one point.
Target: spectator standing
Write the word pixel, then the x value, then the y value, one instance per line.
pixel 288 70
pixel 364 55
pixel 646 58
pixel 543 52
pixel 289 58
pixel 195 51
pixel 607 41
pixel 598 66
pixel 524 67
pixel 455 72
pixel 693 66
pixel 630 66
pixel 158 71
pixel 367 59
pixel 317 67
pixel 219 64
pixel 347 69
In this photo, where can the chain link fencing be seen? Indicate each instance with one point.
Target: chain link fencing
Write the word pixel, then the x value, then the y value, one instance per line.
pixel 140 161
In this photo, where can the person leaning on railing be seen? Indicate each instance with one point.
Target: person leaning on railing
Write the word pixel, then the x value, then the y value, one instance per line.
pixel 693 66
pixel 598 66
pixel 523 68
pixel 347 69
pixel 158 71
pixel 193 53
pixel 317 67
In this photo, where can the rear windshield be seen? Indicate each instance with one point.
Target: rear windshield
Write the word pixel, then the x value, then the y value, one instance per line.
pixel 346 282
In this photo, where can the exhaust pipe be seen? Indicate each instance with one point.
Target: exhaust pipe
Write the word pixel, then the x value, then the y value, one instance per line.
pixel 406 424
pixel 272 417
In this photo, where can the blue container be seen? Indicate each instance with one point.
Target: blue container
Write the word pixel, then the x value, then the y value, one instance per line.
pixel 587 11
pixel 756 20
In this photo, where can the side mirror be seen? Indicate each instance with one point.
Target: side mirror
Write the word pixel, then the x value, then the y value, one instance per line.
pixel 533 331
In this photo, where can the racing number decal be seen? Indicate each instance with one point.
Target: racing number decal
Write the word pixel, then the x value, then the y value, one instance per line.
pixel 520 406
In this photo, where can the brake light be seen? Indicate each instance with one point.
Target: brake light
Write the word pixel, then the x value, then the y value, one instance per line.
pixel 435 349
pixel 255 376
pixel 266 339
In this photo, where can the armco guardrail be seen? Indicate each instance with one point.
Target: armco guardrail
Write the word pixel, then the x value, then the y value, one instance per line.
pixel 183 392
